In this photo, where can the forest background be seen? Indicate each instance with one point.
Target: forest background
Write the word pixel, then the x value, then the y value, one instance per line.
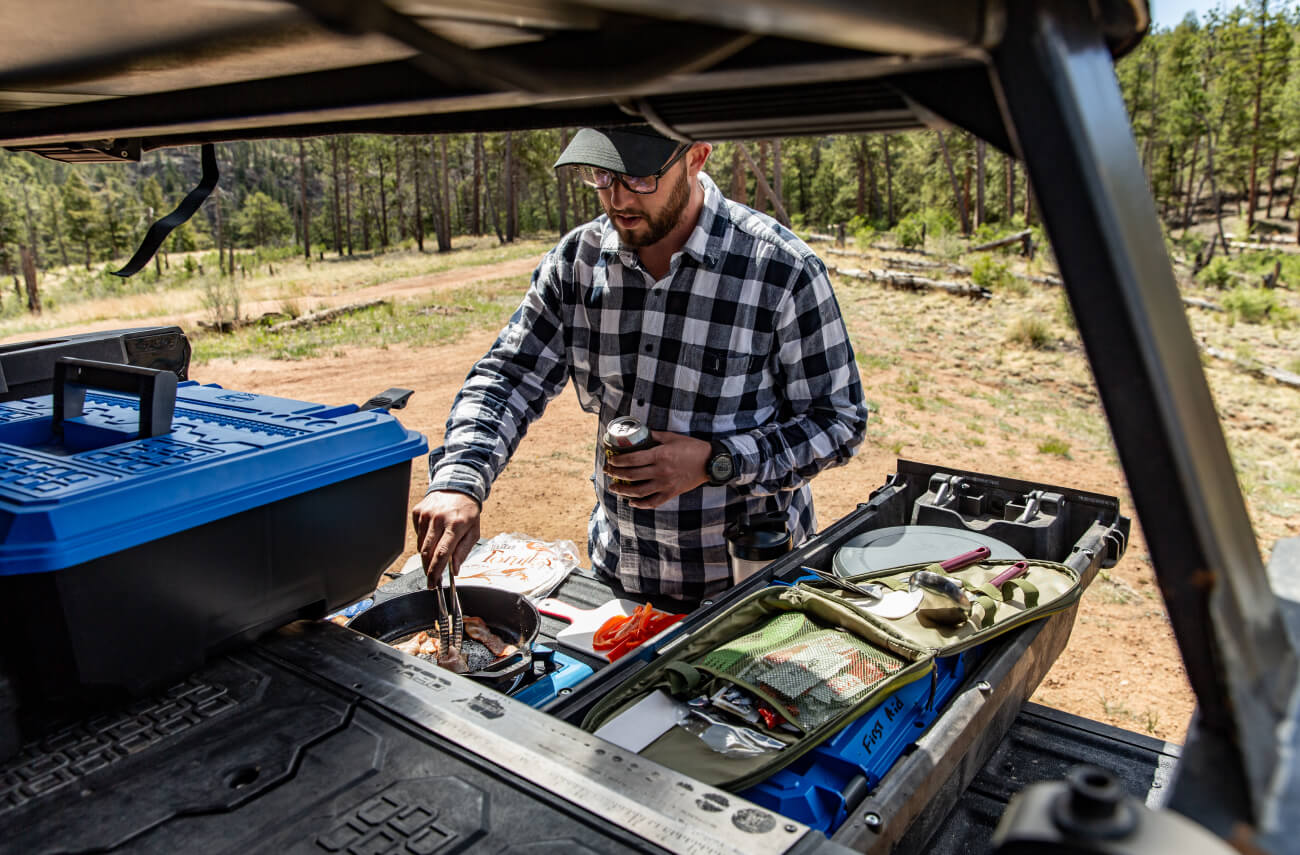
pixel 1214 103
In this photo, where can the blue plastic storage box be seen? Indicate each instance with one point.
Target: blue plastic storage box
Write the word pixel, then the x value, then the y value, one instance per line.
pixel 147 524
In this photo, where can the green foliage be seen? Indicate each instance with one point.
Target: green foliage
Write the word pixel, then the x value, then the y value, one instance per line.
pixel 1256 306
pixel 263 221
pixel 1216 274
pixel 939 221
pixel 910 231
pixel 988 272
pixel 863 231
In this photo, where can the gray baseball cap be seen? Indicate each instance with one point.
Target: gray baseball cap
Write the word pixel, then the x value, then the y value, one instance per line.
pixel 631 150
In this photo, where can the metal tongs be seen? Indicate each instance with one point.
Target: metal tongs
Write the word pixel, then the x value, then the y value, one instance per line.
pixel 451 622
pixel 870 589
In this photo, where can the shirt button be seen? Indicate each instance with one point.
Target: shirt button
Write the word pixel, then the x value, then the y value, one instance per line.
pixel 640 402
pixel 649 348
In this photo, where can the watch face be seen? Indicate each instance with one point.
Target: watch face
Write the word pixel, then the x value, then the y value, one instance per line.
pixel 721 467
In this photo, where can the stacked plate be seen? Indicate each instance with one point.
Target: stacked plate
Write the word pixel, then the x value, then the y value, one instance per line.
pixel 515 563
pixel 900 545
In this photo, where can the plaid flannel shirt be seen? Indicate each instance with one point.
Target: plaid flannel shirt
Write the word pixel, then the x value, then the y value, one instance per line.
pixel 742 341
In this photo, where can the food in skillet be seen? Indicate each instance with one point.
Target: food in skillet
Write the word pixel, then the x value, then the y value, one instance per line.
pixel 480 649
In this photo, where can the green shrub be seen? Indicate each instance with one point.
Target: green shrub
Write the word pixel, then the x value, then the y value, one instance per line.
pixel 910 231
pixel 1030 332
pixel 988 272
pixel 1216 274
pixel 984 233
pixel 1255 306
pixel 939 221
pixel 862 230
pixel 1053 445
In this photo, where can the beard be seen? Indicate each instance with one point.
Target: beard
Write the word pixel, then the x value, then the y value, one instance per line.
pixel 654 228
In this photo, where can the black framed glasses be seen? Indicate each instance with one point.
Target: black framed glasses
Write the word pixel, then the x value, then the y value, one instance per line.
pixel 603 179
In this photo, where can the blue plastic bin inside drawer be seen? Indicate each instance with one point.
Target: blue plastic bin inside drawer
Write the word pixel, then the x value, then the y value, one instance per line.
pixel 146 523
pixel 821 787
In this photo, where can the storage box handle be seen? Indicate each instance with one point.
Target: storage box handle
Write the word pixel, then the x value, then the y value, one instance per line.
pixel 155 389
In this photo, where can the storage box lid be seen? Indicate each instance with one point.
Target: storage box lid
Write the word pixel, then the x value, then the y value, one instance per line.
pixel 99 488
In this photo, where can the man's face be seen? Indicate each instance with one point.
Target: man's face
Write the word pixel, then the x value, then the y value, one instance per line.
pixel 645 219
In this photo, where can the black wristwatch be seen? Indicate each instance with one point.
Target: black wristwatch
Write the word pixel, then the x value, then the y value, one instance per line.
pixel 721 467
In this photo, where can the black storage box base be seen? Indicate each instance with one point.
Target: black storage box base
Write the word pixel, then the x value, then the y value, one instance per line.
pixel 128 622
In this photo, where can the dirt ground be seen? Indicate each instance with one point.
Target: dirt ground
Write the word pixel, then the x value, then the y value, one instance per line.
pixel 1121 665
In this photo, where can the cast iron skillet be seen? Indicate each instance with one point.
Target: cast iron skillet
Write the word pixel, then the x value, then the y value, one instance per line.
pixel 511 616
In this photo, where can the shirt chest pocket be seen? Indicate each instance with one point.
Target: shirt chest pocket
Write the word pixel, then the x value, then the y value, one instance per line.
pixel 718 378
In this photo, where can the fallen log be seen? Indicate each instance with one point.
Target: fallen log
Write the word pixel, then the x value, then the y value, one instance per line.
pixel 1025 238
pixel 324 316
pixel 947 266
pixel 911 282
pixel 1278 239
pixel 1254 367
pixel 1202 304
pixel 1262 247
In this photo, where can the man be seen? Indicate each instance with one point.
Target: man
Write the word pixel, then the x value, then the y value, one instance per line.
pixel 702 318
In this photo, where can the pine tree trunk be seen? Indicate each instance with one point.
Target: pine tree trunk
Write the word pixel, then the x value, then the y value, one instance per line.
pixel 367 212
pixel 1009 186
pixel 1290 193
pixel 1272 182
pixel 508 179
pixel 419 215
pixel 860 164
pixel 302 200
pixel 338 206
pixel 952 180
pixel 31 230
pixel 1252 194
pixel 1189 202
pixel 561 188
pixel 761 198
pixel 966 178
pixel 889 184
pixel 383 202
pixel 476 210
pixel 443 218
pixel 739 185
pixel 347 187
pixel 58 228
pixel 29 274
pixel 778 181
pixel 492 213
pixel 979 183
pixel 1214 190
pixel 216 208
pixel 398 196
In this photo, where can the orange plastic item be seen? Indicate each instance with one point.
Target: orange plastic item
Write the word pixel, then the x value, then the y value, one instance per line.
pixel 622 633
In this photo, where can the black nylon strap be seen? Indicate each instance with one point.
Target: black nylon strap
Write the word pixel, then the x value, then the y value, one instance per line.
pixel 160 229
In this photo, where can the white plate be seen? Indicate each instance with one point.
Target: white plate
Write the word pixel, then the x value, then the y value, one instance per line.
pixel 900 545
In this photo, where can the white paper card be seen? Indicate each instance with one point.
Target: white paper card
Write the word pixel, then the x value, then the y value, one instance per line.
pixel 641 724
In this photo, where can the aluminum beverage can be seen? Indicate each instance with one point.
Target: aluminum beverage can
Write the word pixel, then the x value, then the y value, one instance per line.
pixel 624 434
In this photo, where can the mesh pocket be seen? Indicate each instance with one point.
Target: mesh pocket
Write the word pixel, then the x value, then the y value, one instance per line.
pixel 814 672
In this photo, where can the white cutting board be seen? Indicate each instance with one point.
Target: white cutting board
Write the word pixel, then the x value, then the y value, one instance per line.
pixel 583 623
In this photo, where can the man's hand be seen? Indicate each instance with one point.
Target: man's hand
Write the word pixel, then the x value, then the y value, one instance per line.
pixel 446 526
pixel 661 473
